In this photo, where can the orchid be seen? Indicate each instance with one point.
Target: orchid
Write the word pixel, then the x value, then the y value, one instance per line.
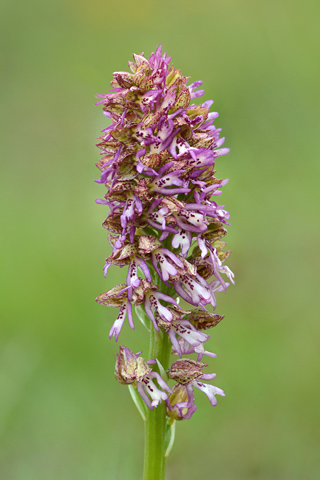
pixel 131 368
pixel 165 227
pixel 188 373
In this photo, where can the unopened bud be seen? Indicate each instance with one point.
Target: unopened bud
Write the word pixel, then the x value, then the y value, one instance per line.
pixel 129 367
pixel 178 396
pixel 125 366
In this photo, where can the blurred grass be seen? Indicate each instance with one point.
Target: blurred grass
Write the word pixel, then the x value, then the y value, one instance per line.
pixel 62 414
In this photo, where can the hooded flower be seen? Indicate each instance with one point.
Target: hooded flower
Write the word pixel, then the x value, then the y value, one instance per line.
pixel 131 368
pixel 188 373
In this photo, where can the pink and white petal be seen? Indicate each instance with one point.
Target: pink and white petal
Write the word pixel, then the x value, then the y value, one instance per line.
pixel 208 376
pixel 190 393
pixel 160 381
pixel 209 390
pixel 174 341
pixel 150 315
pixel 144 396
pixel 129 310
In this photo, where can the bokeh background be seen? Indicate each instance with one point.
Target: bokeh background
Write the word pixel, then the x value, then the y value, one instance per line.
pixel 62 414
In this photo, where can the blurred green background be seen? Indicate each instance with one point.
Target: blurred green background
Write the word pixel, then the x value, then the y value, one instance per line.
pixel 62 414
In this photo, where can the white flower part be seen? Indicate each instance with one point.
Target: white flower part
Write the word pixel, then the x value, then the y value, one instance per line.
pixel 166 268
pixel 223 213
pixel 219 267
pixel 147 386
pixel 228 272
pixel 143 395
pixel 149 98
pixel 128 211
pixel 159 216
pixel 164 312
pixel 195 219
pixel 155 393
pixel 215 258
pixel 183 347
pixel 152 303
pixel 180 144
pixel 159 256
pixel 202 246
pixel 175 343
pixel 143 133
pixel 199 293
pixel 183 240
pixel 199 349
pixel 209 390
pixel 212 115
pixel 117 325
pixel 132 277
pixel 189 333
pixel 168 101
pixel 163 133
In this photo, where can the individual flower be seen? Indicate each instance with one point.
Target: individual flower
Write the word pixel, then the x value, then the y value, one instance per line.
pixel 131 368
pixel 188 373
pixel 195 290
pixel 167 261
pixel 182 328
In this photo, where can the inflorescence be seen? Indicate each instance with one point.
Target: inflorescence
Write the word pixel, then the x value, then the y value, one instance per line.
pixel 158 158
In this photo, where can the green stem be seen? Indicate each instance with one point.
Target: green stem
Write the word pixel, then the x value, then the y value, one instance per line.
pixel 155 426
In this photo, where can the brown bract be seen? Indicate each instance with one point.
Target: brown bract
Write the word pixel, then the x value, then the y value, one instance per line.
pixel 112 298
pixel 148 243
pixel 185 370
pixel 203 320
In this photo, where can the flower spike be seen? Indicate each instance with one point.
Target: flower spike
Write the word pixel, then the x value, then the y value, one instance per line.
pixel 165 226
